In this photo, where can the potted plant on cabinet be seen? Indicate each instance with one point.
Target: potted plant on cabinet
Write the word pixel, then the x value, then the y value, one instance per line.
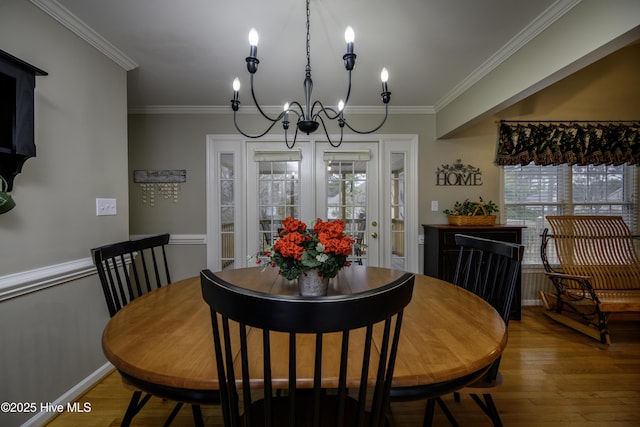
pixel 472 213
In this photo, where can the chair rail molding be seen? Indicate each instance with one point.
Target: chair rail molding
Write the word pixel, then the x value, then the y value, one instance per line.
pixel 25 282
pixel 178 239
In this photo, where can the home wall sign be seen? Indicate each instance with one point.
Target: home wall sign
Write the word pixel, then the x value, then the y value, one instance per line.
pixel 458 174
pixel 165 183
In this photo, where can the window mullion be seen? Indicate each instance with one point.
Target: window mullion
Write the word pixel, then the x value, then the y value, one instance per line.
pixel 566 195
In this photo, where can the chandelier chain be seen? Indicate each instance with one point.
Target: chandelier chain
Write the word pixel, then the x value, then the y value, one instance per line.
pixel 308 69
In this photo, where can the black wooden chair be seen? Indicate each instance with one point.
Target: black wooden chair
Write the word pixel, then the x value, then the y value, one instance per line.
pixel 122 279
pixel 128 270
pixel 300 321
pixel 489 269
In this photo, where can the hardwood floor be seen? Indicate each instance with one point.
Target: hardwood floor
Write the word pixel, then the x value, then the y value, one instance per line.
pixel 553 376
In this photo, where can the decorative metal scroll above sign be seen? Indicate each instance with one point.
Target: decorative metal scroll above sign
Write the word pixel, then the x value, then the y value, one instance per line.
pixel 458 174
pixel 166 183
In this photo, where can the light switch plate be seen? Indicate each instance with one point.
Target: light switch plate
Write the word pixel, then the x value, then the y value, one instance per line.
pixel 434 205
pixel 106 207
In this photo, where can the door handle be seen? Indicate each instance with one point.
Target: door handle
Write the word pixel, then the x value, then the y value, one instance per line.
pixel 374 235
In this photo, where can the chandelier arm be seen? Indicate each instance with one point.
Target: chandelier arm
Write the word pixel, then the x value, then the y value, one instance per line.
pixel 298 115
pixel 346 100
pixel 235 122
pixel 255 101
pixel 296 103
pixel 324 128
pixel 386 113
pixel 295 138
pixel 325 110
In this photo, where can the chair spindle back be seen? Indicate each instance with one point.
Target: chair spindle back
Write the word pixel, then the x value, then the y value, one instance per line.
pixel 330 341
pixel 131 268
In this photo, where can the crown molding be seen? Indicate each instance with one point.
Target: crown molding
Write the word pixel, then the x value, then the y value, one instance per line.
pixel 270 109
pixel 73 23
pixel 538 25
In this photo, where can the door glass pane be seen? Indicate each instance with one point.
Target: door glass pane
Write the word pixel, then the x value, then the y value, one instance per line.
pixel 227 209
pixel 398 248
pixel 347 200
pixel 278 197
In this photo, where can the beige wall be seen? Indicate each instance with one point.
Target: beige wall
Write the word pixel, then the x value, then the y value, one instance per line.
pixel 50 339
pixel 81 137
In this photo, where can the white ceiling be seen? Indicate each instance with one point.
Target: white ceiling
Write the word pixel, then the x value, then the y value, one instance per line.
pixel 187 52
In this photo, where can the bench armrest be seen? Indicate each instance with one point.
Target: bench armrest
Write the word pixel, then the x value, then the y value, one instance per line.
pixel 567 276
pixel 577 286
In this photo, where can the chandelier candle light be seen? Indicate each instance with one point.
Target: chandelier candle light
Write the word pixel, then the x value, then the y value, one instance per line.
pixel 309 117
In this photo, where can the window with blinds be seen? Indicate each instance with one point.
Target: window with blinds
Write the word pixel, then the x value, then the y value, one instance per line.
pixel 532 192
pixel 278 196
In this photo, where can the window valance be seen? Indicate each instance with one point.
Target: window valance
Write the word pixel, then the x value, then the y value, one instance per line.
pixel 581 143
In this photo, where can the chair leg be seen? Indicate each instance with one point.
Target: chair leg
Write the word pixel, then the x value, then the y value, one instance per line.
pixel 447 412
pixel 173 414
pixel 135 404
pixel 489 408
pixel 430 412
pixel 197 416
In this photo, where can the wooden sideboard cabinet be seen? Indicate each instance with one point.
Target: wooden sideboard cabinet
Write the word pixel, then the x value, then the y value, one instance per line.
pixel 441 252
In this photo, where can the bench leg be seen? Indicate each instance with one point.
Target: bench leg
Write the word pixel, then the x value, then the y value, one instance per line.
pixel 601 333
pixel 605 338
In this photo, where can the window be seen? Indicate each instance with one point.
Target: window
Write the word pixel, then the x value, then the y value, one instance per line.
pixel 227 182
pixel 278 197
pixel 531 192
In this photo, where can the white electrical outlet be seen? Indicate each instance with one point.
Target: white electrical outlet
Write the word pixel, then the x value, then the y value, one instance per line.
pixel 106 207
pixel 434 205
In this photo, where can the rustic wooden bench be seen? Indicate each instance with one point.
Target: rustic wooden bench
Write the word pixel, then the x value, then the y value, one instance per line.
pixel 598 274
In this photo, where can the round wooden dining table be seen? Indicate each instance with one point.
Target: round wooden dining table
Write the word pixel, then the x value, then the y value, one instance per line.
pixel 162 341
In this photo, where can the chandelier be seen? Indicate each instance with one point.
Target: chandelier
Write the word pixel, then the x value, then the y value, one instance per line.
pixel 310 116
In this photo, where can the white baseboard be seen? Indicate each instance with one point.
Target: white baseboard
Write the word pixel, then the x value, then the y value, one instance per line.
pixel 43 417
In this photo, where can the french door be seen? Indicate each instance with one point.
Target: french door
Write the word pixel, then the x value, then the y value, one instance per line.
pixel 346 189
pixel 314 180
pixel 253 185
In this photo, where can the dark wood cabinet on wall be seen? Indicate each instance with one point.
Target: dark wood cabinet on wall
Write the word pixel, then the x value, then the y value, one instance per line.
pixel 17 105
pixel 441 252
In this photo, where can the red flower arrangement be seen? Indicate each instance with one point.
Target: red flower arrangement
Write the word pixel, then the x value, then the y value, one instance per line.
pixel 299 249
